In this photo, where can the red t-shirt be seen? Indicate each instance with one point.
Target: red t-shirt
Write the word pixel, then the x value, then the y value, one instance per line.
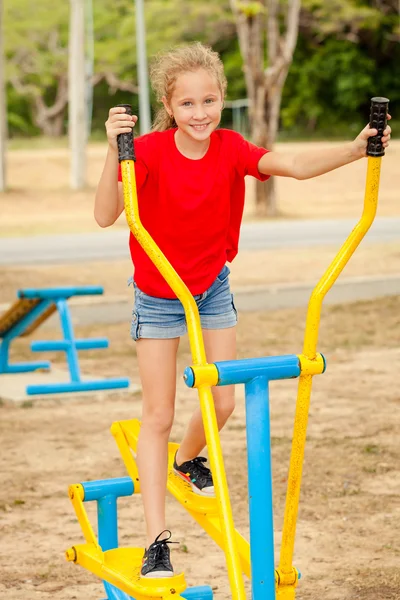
pixel 192 208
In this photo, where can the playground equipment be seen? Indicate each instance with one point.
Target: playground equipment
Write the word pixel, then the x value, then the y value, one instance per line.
pixel 120 567
pixel 27 314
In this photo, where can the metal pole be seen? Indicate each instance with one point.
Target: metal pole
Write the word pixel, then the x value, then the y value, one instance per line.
pixel 260 489
pixel 3 111
pixel 76 89
pixel 144 103
pixel 89 39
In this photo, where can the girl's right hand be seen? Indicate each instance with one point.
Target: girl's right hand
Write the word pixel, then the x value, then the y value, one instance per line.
pixel 118 122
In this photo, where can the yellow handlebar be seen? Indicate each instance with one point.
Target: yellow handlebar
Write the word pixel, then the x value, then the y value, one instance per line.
pixel 199 359
pixel 310 352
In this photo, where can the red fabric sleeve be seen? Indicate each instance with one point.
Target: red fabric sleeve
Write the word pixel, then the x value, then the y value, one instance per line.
pixel 248 158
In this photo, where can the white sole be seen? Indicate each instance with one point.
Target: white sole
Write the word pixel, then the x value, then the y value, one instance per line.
pixel 158 575
pixel 195 490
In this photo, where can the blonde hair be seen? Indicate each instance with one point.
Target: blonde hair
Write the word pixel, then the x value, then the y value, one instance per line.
pixel 167 67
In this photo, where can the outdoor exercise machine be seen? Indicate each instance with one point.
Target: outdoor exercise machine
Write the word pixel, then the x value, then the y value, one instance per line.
pixel 120 568
pixel 33 307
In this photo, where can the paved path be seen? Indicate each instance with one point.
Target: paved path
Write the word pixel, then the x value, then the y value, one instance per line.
pixel 118 309
pixel 113 243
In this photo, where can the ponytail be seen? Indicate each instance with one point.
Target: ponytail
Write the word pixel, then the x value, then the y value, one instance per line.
pixel 163 121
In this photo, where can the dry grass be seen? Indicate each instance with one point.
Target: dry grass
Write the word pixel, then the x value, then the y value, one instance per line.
pixel 39 200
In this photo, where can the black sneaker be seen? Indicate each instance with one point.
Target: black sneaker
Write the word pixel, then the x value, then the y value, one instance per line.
pixel 197 475
pixel 156 561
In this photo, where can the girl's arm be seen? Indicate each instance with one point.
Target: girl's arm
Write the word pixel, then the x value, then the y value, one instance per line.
pixel 317 162
pixel 109 201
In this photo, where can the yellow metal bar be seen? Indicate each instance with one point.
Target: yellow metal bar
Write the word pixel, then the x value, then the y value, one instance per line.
pixel 310 354
pixel 314 366
pixel 199 358
pixel 121 567
pixel 222 492
pixel 76 494
pixel 204 510
pixel 205 375
pixel 342 258
pixel 126 454
pixel 161 262
pixel 286 584
pixel 286 592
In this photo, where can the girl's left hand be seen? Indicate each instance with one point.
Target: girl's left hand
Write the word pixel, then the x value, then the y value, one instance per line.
pixel 361 141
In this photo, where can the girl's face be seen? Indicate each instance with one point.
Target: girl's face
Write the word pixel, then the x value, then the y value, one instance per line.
pixel 196 104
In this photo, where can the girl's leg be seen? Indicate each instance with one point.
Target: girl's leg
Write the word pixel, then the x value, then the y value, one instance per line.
pixel 220 344
pixel 157 366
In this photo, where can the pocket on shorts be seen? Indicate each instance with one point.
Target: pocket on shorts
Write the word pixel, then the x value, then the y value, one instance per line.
pixel 224 274
pixel 135 326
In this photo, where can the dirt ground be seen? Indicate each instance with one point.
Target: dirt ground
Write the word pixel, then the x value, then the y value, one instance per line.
pixel 347 544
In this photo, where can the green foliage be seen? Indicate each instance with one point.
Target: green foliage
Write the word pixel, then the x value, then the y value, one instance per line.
pixel 348 51
pixel 339 75
pixel 19 116
pixel 35 42
pixel 250 9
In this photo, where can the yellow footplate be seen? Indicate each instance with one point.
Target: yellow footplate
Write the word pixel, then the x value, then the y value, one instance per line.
pixel 121 567
pixel 204 510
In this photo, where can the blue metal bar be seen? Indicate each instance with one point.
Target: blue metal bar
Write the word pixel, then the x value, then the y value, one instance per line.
pixel 119 486
pixel 272 367
pixel 69 344
pixel 25 367
pixel 61 292
pixel 200 592
pixel 260 489
pixel 4 349
pixel 67 328
pixel 107 522
pixel 17 330
pixel 64 345
pixel 80 386
pixel 106 492
pixel 114 593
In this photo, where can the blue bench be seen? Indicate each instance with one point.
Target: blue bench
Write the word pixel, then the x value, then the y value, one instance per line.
pixel 32 308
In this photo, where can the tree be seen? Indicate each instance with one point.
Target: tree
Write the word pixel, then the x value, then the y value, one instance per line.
pixel 347 52
pixel 37 55
pixel 274 24
pixel 3 182
pixel 77 105
pixel 36 50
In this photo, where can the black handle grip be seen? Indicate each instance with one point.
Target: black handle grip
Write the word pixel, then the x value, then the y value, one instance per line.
pixel 126 146
pixel 377 120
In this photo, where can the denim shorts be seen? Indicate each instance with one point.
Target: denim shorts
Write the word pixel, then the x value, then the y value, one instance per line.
pixel 164 318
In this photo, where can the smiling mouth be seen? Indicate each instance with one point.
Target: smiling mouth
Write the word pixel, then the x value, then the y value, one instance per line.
pixel 200 127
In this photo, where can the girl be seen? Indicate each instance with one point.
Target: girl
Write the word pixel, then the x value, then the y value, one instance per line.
pixel 190 181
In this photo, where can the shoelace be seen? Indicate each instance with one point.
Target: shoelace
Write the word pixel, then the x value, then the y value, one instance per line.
pixel 200 469
pixel 155 553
